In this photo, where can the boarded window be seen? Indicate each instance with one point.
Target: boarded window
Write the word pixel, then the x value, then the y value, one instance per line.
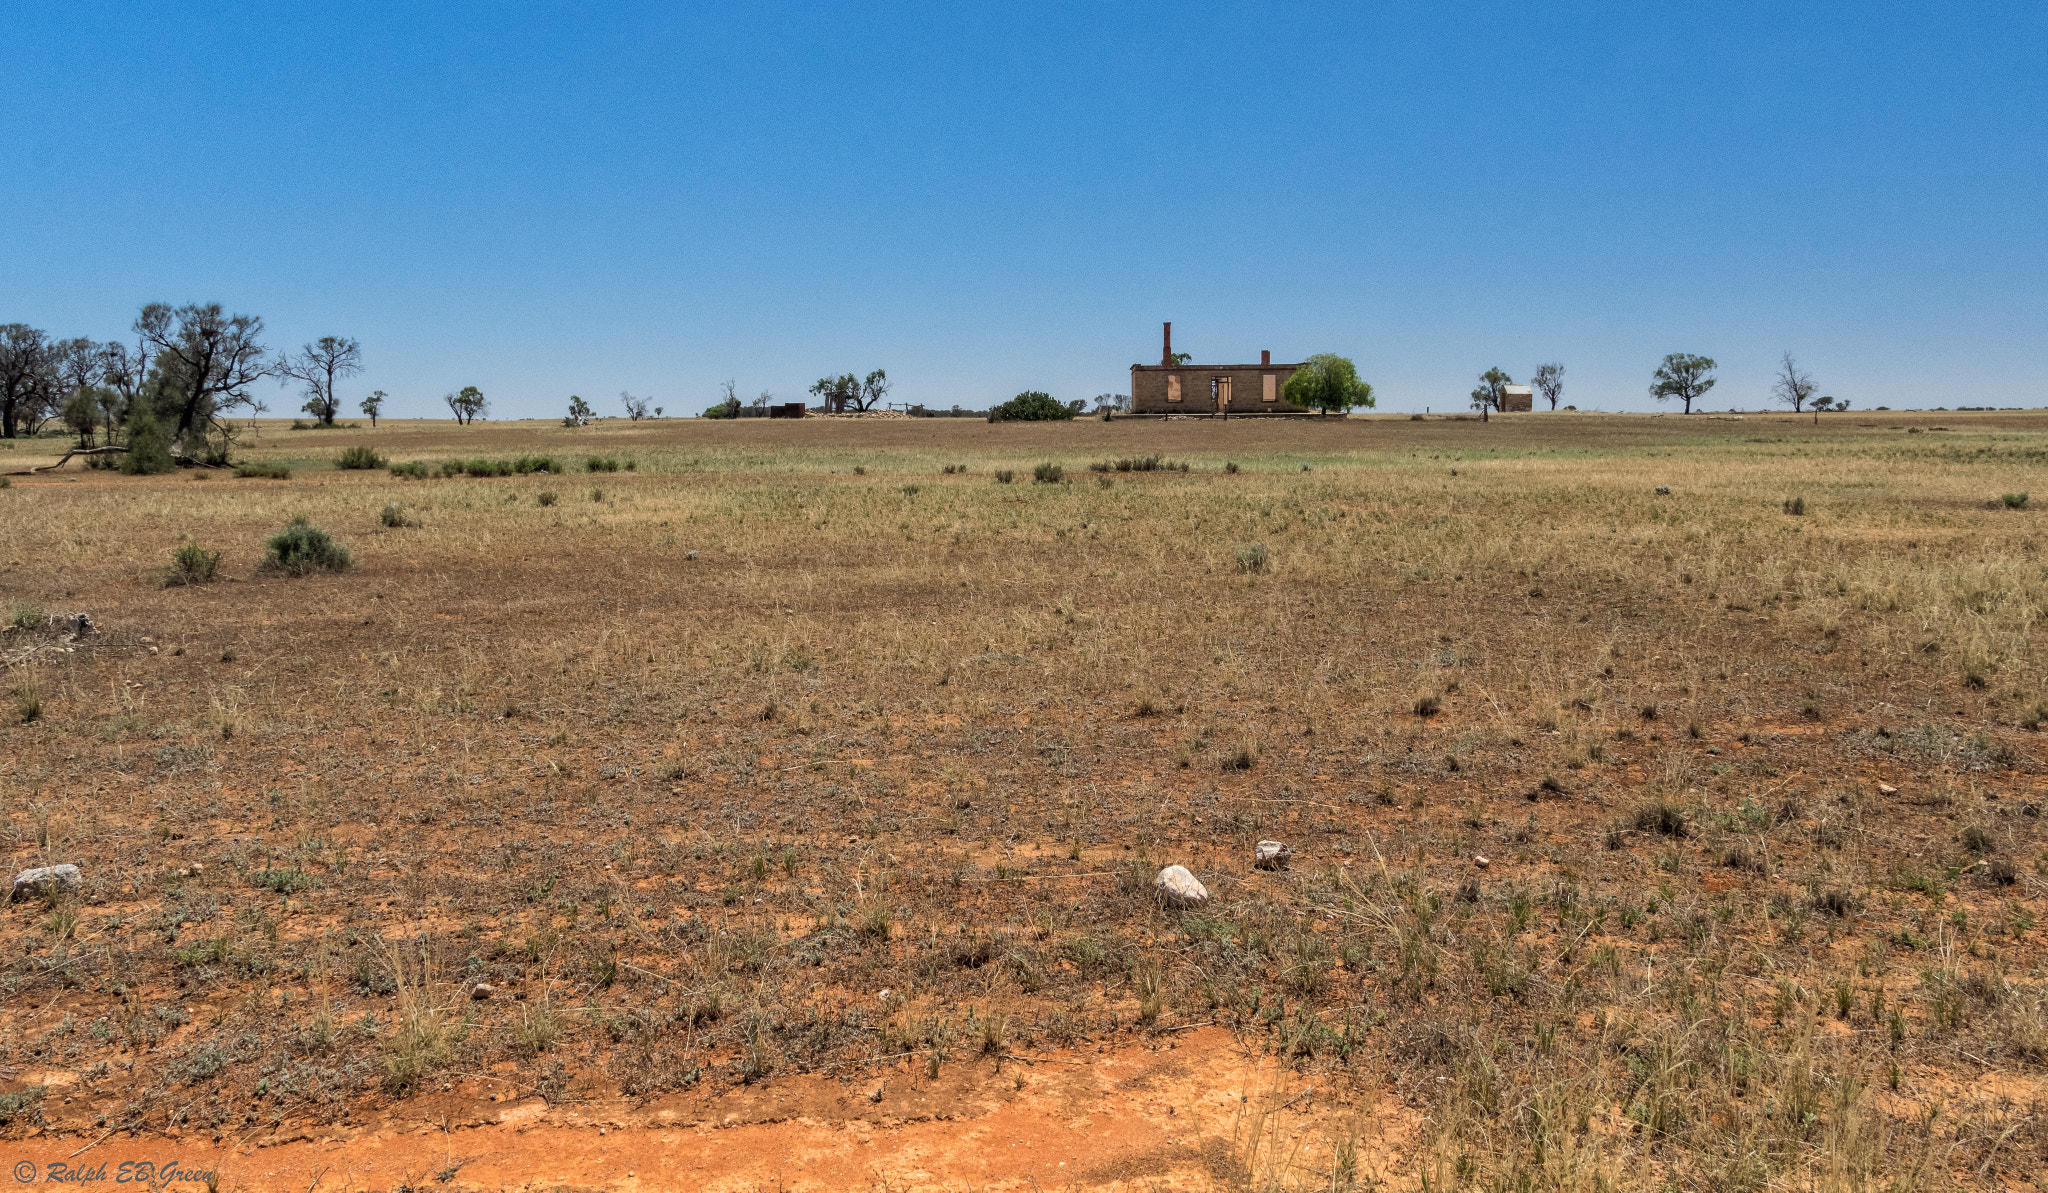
pixel 1173 387
pixel 1272 388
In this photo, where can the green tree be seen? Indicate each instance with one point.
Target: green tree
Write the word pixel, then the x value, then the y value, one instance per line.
pixel 1327 382
pixel 469 404
pixel 580 412
pixel 1493 386
pixel 1549 381
pixel 848 392
pixel 82 414
pixel 1684 378
pixel 374 406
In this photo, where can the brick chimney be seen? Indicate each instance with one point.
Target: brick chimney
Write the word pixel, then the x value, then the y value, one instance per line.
pixel 1265 356
pixel 1166 352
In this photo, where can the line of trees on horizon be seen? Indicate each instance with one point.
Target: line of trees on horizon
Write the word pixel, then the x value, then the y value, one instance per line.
pixel 1682 377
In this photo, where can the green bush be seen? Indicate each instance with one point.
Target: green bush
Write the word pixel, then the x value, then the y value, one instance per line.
pixel 263 471
pixel 191 564
pixel 547 497
pixel 1144 464
pixel 411 470
pixel 302 548
pixel 601 464
pixel 1252 558
pixel 522 466
pixel 394 516
pixel 1048 474
pixel 2015 501
pixel 1033 406
pixel 1796 506
pixel 149 445
pixel 1004 476
pixel 361 458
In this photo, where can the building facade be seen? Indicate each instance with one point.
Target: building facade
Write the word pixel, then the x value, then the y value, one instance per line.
pixel 1172 388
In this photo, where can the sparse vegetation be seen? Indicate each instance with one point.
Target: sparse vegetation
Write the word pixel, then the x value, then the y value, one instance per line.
pixel 360 458
pixel 1619 909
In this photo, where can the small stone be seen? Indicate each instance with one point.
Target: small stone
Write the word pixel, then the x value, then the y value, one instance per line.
pixel 61 880
pixel 199 867
pixel 875 1094
pixel 1887 789
pixel 481 991
pixel 689 555
pixel 1479 860
pixel 1179 888
pixel 1271 855
pixel 1663 490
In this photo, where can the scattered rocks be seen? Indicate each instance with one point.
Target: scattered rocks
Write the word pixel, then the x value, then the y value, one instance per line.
pixel 61 880
pixel 1178 888
pixel 481 991
pixel 1271 855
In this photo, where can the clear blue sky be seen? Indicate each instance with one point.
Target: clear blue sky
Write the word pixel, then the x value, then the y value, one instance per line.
pixel 983 198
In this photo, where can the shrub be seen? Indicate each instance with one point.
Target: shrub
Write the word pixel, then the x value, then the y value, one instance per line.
pixel 954 469
pixel 1230 466
pixel 1004 476
pixel 1048 474
pixel 394 516
pixel 601 464
pixel 596 494
pixel 263 471
pixel 2014 501
pixel 1033 406
pixel 411 470
pixel 149 445
pixel 1661 817
pixel 1795 506
pixel 360 458
pixel 547 497
pixel 191 564
pixel 302 548
pixel 1252 558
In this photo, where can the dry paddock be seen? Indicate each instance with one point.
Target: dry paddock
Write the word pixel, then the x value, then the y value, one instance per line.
pixel 691 761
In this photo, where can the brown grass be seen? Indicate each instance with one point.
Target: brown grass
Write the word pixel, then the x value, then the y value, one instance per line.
pixel 691 770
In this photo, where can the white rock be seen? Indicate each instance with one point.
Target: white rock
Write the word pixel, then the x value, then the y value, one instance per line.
pixel 1479 860
pixel 481 991
pixel 28 884
pixel 1271 855
pixel 1887 789
pixel 1178 888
